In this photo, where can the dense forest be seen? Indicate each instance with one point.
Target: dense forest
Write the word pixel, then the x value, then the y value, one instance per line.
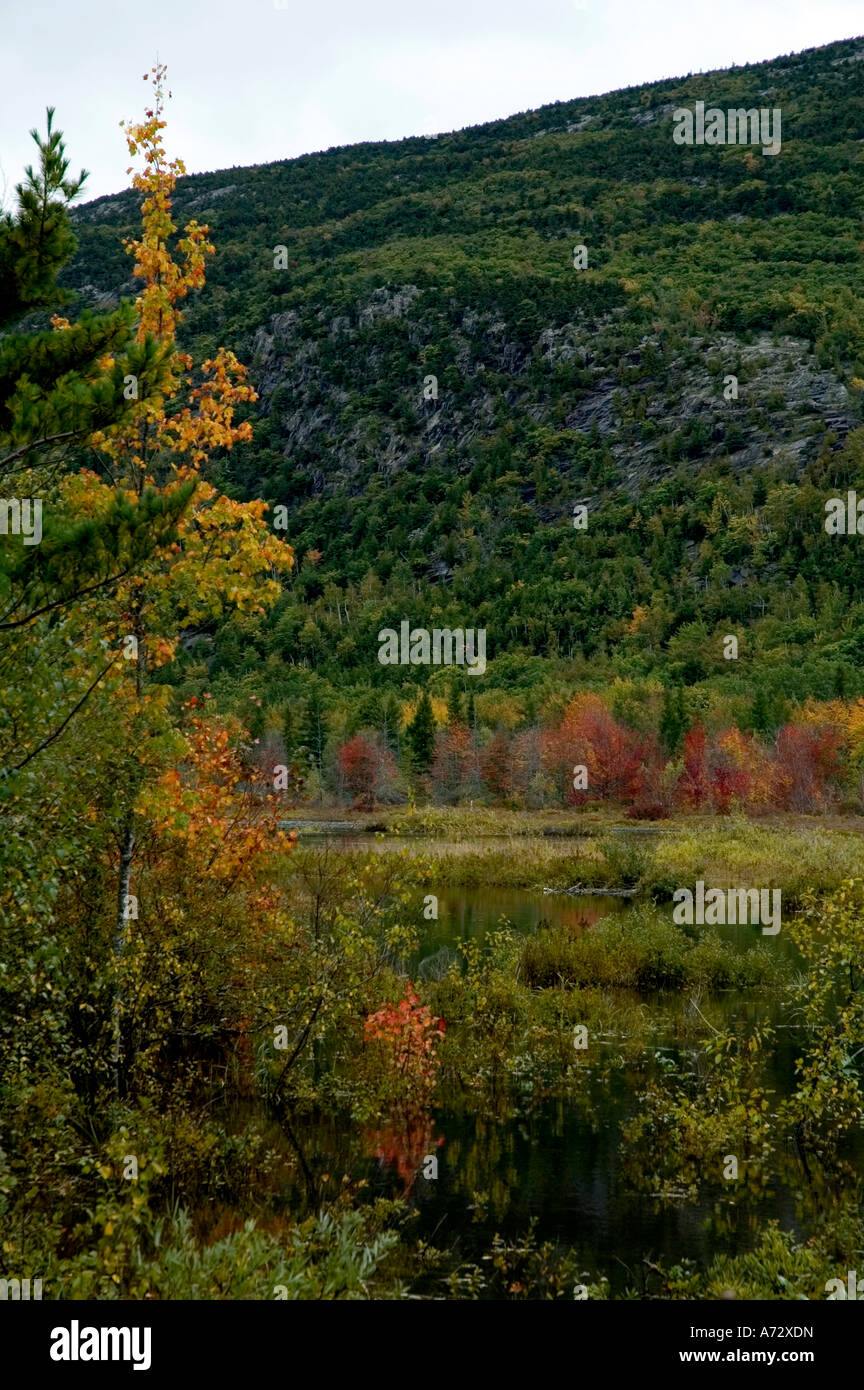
pixel 439 391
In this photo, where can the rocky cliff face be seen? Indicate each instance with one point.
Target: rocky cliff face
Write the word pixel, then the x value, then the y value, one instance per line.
pixel 780 404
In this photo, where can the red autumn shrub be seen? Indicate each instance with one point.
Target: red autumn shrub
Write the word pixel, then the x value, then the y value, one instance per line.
pixel 717 773
pixel 692 787
pixel 728 778
pixel 408 1035
pixel 654 797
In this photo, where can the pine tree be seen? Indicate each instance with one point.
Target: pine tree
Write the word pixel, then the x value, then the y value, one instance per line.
pixel 420 735
pixel 366 714
pixel 56 388
pixel 391 716
pixel 256 720
pixel 673 719
pixel 471 717
pixel 761 716
pixel 314 730
pixel 454 703
pixel 38 241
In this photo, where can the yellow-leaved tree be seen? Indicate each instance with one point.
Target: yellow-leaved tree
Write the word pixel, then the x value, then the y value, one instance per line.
pixel 224 558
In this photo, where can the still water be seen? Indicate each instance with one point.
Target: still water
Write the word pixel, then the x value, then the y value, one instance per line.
pixel 558 1161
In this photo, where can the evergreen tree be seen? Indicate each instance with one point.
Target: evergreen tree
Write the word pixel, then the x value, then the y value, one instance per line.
pixel 472 714
pixel 760 712
pixel 673 719
pixel 391 717
pixel 454 703
pixel 420 735
pixel 314 730
pixel 54 388
pixel 767 712
pixel 366 714
pixel 256 719
pixel 38 241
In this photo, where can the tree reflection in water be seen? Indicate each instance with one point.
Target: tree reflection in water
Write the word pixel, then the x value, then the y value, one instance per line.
pixel 406 1140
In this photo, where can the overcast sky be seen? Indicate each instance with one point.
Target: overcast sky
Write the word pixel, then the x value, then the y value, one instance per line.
pixel 253 82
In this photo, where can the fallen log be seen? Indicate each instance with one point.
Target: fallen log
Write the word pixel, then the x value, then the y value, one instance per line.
pixel 576 889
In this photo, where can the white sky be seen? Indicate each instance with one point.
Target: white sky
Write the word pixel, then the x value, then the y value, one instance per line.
pixel 253 83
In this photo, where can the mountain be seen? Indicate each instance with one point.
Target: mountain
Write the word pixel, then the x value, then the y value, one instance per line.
pixel 698 388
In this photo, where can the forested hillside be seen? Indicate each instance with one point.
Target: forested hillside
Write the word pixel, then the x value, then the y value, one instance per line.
pixel 358 282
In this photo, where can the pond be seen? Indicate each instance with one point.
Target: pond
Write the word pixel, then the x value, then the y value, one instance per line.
pixel 472 912
pixel 558 1161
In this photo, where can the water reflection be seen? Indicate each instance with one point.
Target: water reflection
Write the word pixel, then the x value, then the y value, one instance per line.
pixel 407 1143
pixel 470 913
pixel 559 1159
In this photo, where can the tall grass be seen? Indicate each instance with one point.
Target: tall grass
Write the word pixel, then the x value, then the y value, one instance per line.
pixel 643 950
pixel 725 854
pixel 743 853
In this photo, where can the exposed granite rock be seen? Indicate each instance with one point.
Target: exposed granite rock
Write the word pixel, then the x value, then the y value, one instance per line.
pixel 785 404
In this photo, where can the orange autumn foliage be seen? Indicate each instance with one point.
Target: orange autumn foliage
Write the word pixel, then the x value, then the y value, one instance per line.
pixel 807 767
pixel 588 736
pixel 213 806
pixel 224 555
pixel 207 421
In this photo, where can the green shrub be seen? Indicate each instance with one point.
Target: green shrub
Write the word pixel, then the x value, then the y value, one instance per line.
pixel 641 950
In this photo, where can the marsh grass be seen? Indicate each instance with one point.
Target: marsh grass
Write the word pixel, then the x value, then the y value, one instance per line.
pixel 734 852
pixel 744 853
pixel 626 860
pixel 780 1266
pixel 643 950
pixel 470 822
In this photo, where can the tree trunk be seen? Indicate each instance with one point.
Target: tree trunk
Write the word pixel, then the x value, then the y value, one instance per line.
pixel 126 850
